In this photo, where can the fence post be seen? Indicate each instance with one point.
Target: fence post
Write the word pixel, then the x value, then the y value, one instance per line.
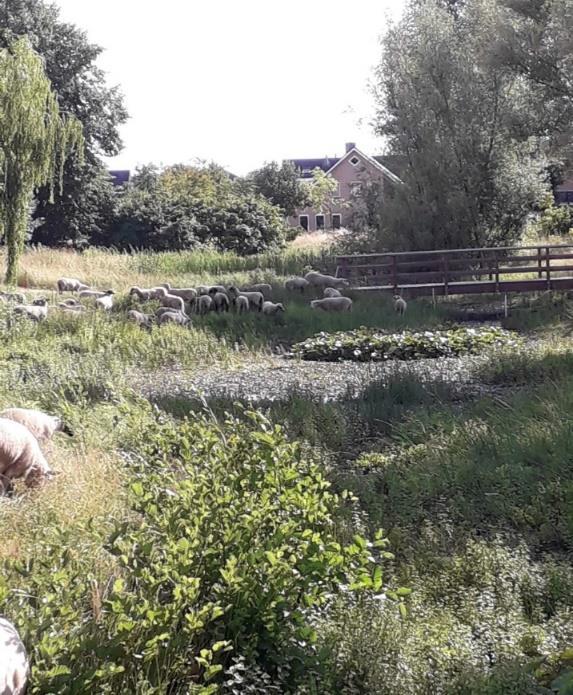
pixel 539 264
pixel 395 272
pixel 496 261
pixel 445 271
pixel 548 266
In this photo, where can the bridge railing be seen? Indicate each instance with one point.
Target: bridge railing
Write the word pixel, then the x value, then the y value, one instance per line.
pixel 447 267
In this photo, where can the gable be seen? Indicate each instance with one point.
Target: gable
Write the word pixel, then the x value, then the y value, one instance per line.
pixel 356 162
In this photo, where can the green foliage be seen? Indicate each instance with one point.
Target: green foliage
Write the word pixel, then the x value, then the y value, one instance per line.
pixel 364 345
pixel 281 186
pixel 34 145
pixel 321 190
pixel 555 219
pixel 232 549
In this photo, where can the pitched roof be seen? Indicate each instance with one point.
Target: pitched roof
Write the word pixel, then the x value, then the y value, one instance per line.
pixel 327 164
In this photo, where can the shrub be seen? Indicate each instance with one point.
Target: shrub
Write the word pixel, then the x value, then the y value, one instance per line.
pixel 367 345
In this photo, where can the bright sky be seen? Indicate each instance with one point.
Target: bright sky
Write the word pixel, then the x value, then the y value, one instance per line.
pixel 239 82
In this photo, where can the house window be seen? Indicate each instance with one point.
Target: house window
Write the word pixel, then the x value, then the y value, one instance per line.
pixel 355 188
pixel 355 161
pixel 303 222
pixel 320 222
pixel 336 191
pixel 336 221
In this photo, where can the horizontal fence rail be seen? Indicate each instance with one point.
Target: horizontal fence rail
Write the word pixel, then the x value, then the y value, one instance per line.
pixel 461 271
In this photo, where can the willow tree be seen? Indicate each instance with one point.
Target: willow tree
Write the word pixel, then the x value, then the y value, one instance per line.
pixel 35 140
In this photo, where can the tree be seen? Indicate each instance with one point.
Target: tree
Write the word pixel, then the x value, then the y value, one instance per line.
pixel 80 85
pixel 454 114
pixel 34 141
pixel 281 185
pixel 320 191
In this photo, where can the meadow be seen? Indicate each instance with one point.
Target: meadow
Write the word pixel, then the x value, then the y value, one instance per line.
pixel 204 545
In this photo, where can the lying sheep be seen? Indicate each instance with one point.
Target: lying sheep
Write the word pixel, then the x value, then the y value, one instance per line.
pixel 70 285
pixel 400 305
pixel 187 294
pixel 241 305
pixel 331 292
pixel 173 316
pixel 204 303
pixel 38 311
pixel 265 289
pixel 332 304
pixel 94 294
pixel 20 456
pixel 139 318
pixel 105 302
pixel 41 425
pixel 256 299
pixel 319 280
pixel 14 664
pixel 271 309
pixel 297 285
pixel 71 308
pixel 220 300
pixel 69 302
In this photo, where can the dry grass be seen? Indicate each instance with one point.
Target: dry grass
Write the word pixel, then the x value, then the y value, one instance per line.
pixel 317 240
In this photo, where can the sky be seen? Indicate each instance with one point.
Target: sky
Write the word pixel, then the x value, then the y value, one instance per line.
pixel 238 82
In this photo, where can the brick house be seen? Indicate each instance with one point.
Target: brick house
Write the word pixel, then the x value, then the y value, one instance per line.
pixel 564 192
pixel 350 172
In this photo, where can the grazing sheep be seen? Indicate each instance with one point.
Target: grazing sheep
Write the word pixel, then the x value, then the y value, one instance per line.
pixel 171 301
pixel 241 304
pixel 332 304
pixel 220 300
pixel 331 292
pixel 93 294
pixel 271 309
pixel 37 311
pixel 143 294
pixel 14 664
pixel 105 302
pixel 265 289
pixel 297 285
pixel 139 318
pixel 174 317
pixel 41 425
pixel 204 303
pixel 319 280
pixel 256 299
pixel 70 285
pixel 187 294
pixel 400 305
pixel 20 456
pixel 202 290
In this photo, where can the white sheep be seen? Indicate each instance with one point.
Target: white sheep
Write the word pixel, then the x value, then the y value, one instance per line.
pixel 204 304
pixel 70 285
pixel 241 305
pixel 20 456
pixel 220 300
pixel 93 294
pixel 400 305
pixel 256 299
pixel 14 664
pixel 297 284
pixel 38 311
pixel 174 317
pixel 332 304
pixel 320 280
pixel 142 293
pixel 42 425
pixel 265 289
pixel 75 309
pixel 69 302
pixel 187 294
pixel 105 302
pixel 202 290
pixel 139 318
pixel 331 292
pixel 271 309
pixel 170 300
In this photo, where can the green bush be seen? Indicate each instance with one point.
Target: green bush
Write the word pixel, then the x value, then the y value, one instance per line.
pixel 230 550
pixel 367 345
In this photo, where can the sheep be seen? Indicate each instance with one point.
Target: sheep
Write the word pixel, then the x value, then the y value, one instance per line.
pixel 202 290
pixel 174 317
pixel 70 285
pixel 271 309
pixel 139 318
pixel 332 304
pixel 204 303
pixel 69 302
pixel 331 292
pixel 297 285
pixel 220 300
pixel 265 289
pixel 13 297
pixel 14 664
pixel 71 308
pixel 319 280
pixel 21 456
pixel 36 312
pixel 41 425
pixel 241 304
pixel 400 305
pixel 94 294
pixel 105 302
pixel 187 294
pixel 143 294
pixel 256 299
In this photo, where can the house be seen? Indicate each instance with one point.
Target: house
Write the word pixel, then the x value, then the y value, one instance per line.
pixel 564 192
pixel 350 172
pixel 120 177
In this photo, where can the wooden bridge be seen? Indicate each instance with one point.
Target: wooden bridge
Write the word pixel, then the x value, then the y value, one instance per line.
pixel 461 271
